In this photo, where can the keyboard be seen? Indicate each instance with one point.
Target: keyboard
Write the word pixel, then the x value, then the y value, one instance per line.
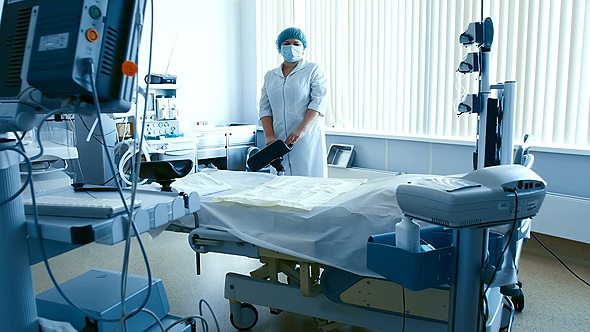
pixel 84 207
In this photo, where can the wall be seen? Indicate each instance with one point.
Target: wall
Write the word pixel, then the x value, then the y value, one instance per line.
pixel 207 42
pixel 249 78
pixel 565 173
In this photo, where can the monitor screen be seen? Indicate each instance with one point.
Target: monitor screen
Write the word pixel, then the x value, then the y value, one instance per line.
pixel 46 47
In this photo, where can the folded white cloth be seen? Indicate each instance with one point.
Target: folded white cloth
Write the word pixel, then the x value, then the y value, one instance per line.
pixel 298 192
pixel 200 182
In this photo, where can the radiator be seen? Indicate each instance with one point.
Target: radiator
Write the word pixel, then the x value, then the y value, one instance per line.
pixel 564 216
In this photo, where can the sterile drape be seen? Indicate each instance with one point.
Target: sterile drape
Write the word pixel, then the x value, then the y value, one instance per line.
pixel 392 64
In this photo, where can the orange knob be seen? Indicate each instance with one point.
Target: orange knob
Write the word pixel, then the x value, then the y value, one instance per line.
pixel 92 35
pixel 129 68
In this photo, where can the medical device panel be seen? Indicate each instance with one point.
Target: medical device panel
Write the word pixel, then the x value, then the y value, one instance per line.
pixel 93 291
pixel 56 49
pixel 486 196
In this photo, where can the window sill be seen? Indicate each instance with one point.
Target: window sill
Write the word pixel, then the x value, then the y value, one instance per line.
pixel 415 138
pixel 554 148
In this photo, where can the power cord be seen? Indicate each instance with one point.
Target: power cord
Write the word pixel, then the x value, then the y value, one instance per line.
pixel 559 259
pixel 134 179
pixel 29 182
pixel 93 135
pixel 404 313
pixel 483 302
pixel 129 209
pixel 29 173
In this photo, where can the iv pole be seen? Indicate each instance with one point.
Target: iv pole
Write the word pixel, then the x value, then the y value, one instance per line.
pixel 494 147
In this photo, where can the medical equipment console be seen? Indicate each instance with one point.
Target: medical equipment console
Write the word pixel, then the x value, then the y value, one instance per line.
pixel 482 197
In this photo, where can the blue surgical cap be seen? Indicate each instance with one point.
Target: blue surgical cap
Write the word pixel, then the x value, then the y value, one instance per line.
pixel 291 33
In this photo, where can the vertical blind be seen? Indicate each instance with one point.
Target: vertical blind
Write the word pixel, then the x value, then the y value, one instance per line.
pixel 392 64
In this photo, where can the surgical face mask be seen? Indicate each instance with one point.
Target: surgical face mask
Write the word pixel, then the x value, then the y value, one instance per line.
pixel 291 53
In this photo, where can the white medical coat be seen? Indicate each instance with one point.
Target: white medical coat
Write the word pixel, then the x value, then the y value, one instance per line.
pixel 287 101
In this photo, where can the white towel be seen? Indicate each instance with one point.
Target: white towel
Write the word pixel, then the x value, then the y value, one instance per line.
pixel 298 192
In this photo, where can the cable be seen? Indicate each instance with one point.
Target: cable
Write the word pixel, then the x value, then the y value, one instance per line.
pixel 94 136
pixel 124 159
pixel 130 218
pixel 127 316
pixel 28 89
pixel 107 181
pixel 502 255
pixel 483 297
pixel 482 5
pixel 128 208
pixel 171 53
pixel 40 239
pixel 135 178
pixel 29 174
pixel 29 182
pixel 559 259
pixel 486 313
pixel 42 246
pixel 24 186
pixel 183 319
pixel 404 313
pixel 201 302
pixel 39 126
pixel 44 254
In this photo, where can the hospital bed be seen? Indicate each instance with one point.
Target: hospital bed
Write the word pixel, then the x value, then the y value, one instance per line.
pixel 315 262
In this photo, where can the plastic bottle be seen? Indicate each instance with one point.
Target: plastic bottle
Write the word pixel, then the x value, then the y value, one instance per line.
pixel 407 235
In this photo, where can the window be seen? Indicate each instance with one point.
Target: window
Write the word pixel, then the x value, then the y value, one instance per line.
pixel 392 64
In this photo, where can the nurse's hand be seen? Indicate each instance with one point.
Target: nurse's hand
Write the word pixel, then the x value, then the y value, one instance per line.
pixel 270 140
pixel 296 135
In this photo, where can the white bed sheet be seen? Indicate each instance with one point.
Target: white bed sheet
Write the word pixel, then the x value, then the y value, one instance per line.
pixel 334 233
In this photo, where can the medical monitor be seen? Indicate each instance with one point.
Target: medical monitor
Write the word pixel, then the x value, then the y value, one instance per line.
pixel 46 47
pixel 491 195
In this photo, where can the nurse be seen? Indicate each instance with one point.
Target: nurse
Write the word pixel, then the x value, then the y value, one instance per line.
pixel 294 100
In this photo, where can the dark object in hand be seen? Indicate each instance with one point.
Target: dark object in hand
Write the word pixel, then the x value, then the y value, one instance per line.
pixel 265 156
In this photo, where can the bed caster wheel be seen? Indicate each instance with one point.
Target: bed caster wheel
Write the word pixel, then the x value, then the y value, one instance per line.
pixel 243 317
pixel 518 301
pixel 515 293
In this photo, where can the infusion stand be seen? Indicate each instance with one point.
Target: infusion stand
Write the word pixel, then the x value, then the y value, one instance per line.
pixel 494 147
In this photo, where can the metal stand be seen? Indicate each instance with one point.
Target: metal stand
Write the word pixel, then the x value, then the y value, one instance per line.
pixel 18 311
pixel 494 147
pixel 464 313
